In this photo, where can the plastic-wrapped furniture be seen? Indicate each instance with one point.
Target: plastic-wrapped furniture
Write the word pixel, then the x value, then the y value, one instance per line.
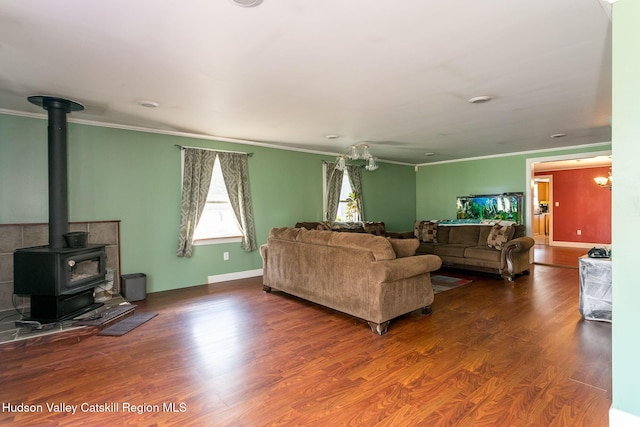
pixel 595 288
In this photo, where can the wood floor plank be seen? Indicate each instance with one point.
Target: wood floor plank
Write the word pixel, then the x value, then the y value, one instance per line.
pixel 491 354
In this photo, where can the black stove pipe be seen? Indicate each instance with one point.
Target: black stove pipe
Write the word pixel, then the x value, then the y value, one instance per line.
pixel 57 109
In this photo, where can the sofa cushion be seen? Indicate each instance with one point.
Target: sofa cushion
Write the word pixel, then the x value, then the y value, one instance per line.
pixel 499 235
pixel 425 231
pixel 464 234
pixel 450 250
pixel 379 246
pixel 520 230
pixel 427 248
pixel 442 235
pixel 284 233
pixel 482 253
pixel 485 230
pixel 318 237
pixel 404 247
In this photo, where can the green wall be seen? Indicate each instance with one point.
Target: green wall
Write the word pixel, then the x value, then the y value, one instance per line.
pixel 134 177
pixel 390 196
pixel 626 208
pixel 438 185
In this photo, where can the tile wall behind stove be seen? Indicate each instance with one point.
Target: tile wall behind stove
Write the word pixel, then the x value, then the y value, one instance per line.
pixel 15 236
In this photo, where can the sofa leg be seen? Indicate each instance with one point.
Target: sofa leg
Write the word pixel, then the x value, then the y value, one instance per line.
pixel 508 277
pixel 427 310
pixel 266 288
pixel 379 328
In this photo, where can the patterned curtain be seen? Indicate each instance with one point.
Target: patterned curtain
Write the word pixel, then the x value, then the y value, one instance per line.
pixel 355 179
pixel 198 167
pixel 333 178
pixel 235 171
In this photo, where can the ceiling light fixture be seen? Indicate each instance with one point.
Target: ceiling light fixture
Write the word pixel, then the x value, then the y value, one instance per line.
pixel 357 152
pixel 480 99
pixel 558 135
pixel 246 3
pixel 332 136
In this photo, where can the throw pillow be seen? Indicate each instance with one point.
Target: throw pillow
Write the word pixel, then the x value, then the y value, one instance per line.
pixel 425 231
pixel 499 235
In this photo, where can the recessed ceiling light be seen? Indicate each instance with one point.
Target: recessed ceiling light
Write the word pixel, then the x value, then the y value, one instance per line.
pixel 480 99
pixel 332 136
pixel 246 3
pixel 558 135
pixel 148 104
pixel 429 154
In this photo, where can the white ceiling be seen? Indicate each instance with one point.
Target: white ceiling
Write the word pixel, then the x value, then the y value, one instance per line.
pixel 397 74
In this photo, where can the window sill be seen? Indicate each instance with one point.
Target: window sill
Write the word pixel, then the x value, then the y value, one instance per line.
pixel 217 240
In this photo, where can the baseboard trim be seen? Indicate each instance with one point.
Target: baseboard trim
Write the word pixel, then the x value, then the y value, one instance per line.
pixel 618 418
pixel 234 276
pixel 576 244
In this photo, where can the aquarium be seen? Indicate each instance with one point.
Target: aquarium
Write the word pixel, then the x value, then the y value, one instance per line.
pixel 507 207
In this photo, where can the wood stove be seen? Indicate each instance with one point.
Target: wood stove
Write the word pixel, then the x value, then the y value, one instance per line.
pixel 59 279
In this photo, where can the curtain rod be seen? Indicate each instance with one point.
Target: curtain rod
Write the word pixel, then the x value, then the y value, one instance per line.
pixel 182 147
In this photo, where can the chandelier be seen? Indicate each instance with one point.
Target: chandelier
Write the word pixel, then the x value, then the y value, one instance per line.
pixel 604 181
pixel 357 152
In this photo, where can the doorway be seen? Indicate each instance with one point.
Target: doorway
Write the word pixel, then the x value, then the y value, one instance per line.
pixel 542 207
pixel 547 244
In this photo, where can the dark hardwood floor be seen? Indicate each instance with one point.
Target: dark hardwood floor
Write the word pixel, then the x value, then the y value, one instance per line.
pixel 557 256
pixel 491 354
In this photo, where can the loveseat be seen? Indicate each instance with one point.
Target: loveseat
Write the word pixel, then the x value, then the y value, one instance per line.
pixel 370 277
pixel 493 247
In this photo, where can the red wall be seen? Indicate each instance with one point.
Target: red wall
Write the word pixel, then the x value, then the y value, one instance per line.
pixel 584 205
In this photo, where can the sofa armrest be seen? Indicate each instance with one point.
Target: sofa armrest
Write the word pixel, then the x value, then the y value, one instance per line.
pixel 263 254
pixel 401 268
pixel 515 256
pixel 520 244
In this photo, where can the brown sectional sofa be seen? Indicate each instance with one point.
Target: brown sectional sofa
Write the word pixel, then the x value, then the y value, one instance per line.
pixel 370 277
pixel 377 228
pixel 491 248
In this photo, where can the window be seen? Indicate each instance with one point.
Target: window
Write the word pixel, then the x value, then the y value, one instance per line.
pixel 217 220
pixel 347 207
